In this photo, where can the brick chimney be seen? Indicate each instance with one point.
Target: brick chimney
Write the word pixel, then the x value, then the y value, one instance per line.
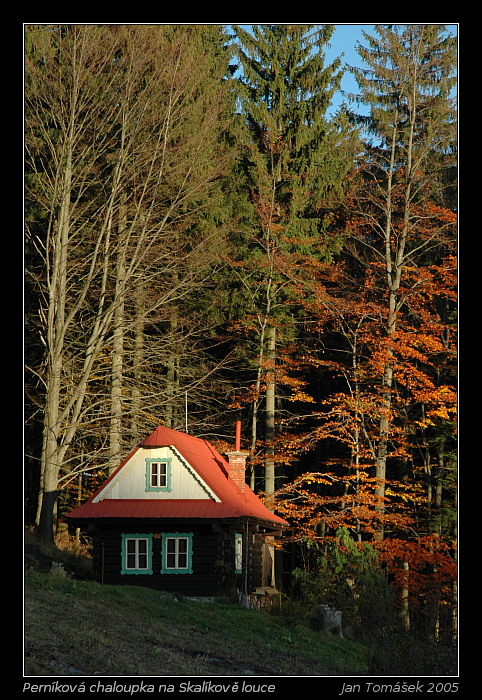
pixel 237 461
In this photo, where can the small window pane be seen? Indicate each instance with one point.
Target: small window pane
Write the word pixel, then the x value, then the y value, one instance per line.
pixel 162 474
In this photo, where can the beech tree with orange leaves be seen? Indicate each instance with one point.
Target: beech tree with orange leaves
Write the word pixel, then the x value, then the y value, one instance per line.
pixel 385 317
pixel 397 226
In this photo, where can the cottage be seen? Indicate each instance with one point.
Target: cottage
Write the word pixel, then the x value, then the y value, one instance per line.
pixel 177 516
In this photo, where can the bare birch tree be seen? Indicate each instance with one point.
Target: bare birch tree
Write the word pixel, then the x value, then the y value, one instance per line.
pixel 114 166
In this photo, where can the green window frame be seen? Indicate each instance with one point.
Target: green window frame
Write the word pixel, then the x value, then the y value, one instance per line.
pixel 238 553
pixel 136 553
pixel 177 553
pixel 158 474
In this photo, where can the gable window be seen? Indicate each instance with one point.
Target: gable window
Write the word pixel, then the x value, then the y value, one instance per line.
pixel 158 474
pixel 177 553
pixel 136 554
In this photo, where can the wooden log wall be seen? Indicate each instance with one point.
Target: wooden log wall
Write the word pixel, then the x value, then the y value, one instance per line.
pixel 206 579
pixel 213 560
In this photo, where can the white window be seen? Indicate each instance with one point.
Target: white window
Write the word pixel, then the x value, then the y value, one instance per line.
pixel 158 474
pixel 136 554
pixel 177 553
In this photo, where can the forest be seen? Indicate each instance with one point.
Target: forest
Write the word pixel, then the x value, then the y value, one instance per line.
pixel 207 241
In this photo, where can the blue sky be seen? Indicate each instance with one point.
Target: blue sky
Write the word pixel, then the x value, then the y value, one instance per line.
pixel 344 41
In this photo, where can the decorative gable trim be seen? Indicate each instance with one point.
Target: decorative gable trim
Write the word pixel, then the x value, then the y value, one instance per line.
pixel 171 457
pixel 115 477
pixel 196 476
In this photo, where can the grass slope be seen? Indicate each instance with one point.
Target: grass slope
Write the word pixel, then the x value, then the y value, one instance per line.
pixel 75 627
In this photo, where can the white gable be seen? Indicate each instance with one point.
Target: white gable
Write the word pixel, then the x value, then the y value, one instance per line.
pixel 132 481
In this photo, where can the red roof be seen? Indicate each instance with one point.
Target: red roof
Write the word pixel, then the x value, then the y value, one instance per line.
pixel 209 465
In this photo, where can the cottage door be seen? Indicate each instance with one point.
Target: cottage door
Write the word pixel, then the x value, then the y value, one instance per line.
pixel 267 565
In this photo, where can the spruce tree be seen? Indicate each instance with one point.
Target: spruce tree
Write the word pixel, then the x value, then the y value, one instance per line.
pixel 292 165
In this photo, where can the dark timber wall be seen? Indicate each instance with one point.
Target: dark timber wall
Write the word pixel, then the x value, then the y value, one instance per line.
pixel 212 557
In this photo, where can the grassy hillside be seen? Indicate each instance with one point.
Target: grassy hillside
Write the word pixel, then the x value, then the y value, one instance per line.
pixel 78 627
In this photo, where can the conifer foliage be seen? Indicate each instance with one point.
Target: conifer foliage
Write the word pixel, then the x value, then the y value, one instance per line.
pixel 293 162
